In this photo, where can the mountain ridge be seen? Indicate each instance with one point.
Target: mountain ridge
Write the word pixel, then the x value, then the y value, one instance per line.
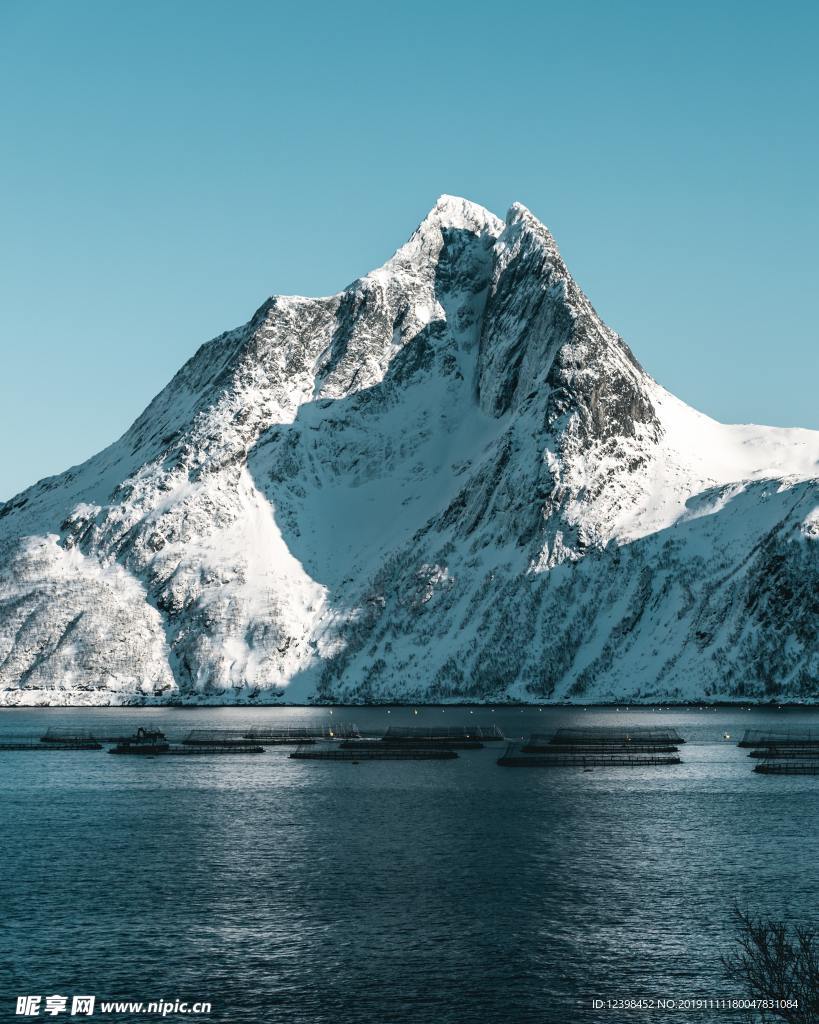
pixel 449 481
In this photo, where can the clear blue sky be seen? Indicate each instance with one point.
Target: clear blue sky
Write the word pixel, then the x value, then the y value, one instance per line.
pixel 168 165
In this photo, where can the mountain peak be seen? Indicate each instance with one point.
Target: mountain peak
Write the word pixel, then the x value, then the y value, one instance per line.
pixel 517 211
pixel 521 218
pixel 457 212
pixel 375 495
pixel 450 213
pixel 453 213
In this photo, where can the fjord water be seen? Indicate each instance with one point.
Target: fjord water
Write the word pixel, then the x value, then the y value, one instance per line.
pixel 296 892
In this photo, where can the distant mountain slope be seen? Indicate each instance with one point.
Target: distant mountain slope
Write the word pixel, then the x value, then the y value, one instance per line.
pixel 451 481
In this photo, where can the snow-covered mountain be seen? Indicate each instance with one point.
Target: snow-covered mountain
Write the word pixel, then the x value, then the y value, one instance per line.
pixel 449 482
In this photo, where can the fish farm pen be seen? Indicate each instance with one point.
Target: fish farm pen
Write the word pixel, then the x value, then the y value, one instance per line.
pixel 543 744
pixel 383 744
pixel 799 753
pixel 443 734
pixel 51 746
pixel 202 751
pixel 452 744
pixel 645 735
pixel 168 750
pixel 788 767
pixel 303 731
pixel 74 736
pixel 783 751
pixel 780 738
pixel 218 738
pixel 153 743
pixel 514 757
pixel 383 753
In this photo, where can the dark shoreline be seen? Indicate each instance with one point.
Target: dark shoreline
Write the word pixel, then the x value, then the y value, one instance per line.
pixel 664 705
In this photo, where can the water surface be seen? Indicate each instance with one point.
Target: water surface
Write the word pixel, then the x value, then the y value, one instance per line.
pixel 314 893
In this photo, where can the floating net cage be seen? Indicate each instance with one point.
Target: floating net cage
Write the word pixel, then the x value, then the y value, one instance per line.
pixel 646 735
pixel 34 744
pixel 213 750
pixel 442 733
pixel 540 743
pixel 205 742
pixel 777 753
pixel 381 752
pixel 516 757
pixel 218 738
pixel 68 736
pixel 303 730
pixel 780 738
pixel 792 767
pixel 381 744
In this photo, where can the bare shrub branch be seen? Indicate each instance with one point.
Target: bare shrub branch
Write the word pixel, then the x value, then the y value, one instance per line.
pixel 775 961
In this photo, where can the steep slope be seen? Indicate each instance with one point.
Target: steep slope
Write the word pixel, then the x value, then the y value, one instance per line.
pixel 450 481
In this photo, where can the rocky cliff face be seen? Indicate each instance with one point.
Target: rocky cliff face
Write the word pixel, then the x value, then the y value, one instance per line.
pixel 449 482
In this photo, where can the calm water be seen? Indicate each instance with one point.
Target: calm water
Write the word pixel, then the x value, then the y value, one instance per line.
pixel 293 892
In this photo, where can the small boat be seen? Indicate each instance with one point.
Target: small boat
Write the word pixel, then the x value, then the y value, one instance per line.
pixel 144 741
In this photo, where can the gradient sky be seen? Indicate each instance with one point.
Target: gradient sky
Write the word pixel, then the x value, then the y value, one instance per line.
pixel 168 165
